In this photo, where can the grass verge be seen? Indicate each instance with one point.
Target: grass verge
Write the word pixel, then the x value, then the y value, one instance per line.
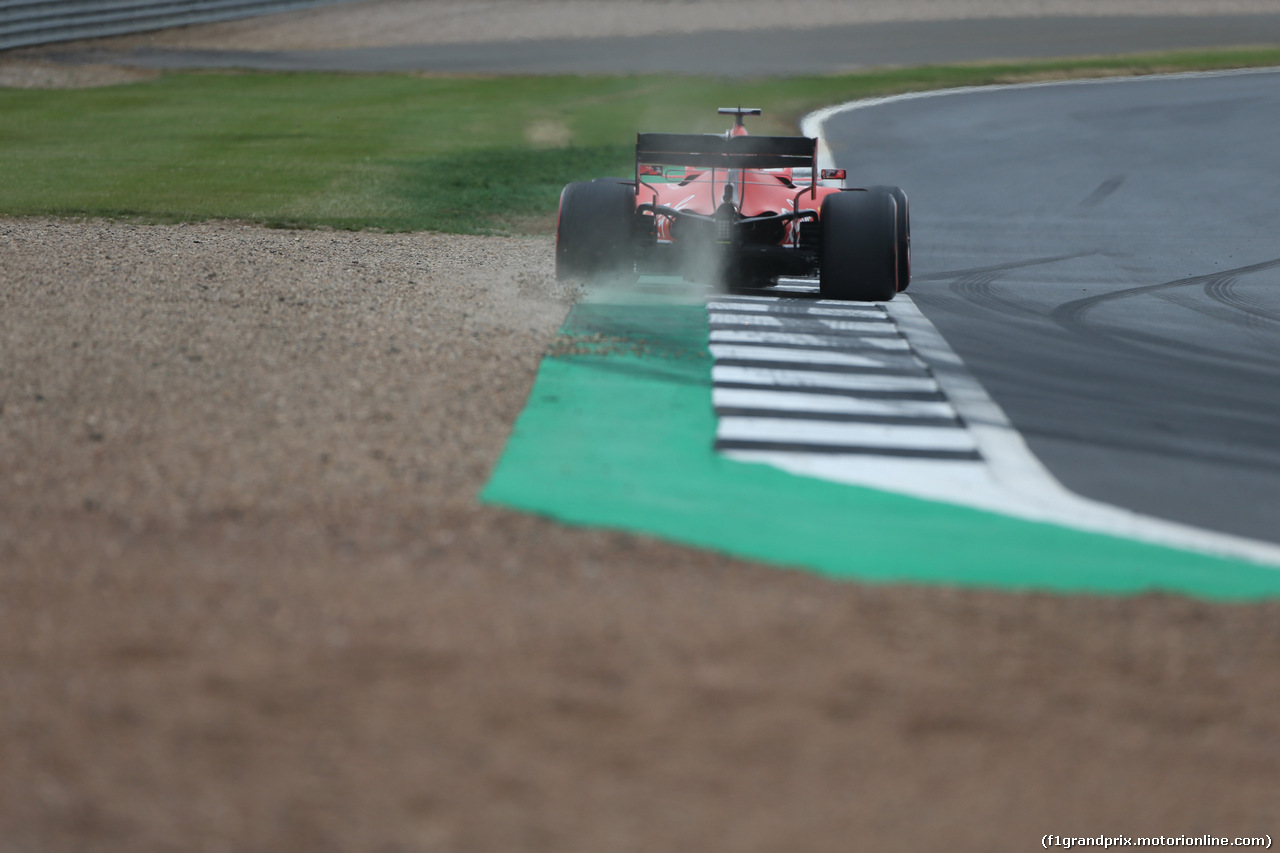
pixel 404 152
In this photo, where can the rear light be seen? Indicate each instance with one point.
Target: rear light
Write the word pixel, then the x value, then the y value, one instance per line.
pixel 833 174
pixel 724 231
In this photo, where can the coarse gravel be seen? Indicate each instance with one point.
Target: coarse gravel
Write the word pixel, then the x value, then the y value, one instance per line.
pixel 25 72
pixel 155 372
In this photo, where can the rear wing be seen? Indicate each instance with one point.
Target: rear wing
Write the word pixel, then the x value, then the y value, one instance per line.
pixel 726 152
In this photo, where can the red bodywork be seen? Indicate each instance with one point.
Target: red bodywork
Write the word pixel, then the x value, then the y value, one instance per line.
pixel 728 204
pixel 757 192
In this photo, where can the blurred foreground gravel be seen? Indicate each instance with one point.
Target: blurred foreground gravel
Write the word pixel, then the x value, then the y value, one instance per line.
pixel 248 603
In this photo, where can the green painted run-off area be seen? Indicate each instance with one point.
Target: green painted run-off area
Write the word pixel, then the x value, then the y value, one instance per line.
pixel 618 433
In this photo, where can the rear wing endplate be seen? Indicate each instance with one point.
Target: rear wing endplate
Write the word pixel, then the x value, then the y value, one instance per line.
pixel 731 152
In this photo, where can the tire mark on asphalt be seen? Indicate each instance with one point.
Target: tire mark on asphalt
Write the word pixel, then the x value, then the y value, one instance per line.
pixel 1105 189
pixel 1074 317
pixel 1163 350
pixel 1224 291
pixel 1217 309
pixel 1072 313
pixel 976 286
pixel 999 268
pixel 978 289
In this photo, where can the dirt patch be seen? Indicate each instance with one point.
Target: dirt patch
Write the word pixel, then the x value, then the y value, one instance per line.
pixel 248 602
pixel 1082 74
pixel 40 74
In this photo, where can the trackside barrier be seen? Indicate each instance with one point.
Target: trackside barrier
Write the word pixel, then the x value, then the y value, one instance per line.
pixel 30 22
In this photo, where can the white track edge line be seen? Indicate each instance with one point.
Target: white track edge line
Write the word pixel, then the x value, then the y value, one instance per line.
pixel 801 431
pixel 812 124
pixel 1032 491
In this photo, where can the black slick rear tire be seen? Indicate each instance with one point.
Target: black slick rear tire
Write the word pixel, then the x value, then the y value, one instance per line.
pixel 904 233
pixel 593 235
pixel 859 258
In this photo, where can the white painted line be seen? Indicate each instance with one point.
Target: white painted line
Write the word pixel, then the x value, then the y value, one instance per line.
pixel 812 356
pixel 792 401
pixel 741 305
pixel 743 297
pixel 758 320
pixel 790 430
pixel 801 339
pixel 745 320
pixel 825 309
pixel 815 379
pixel 805 308
pixel 847 326
pixel 812 124
pixel 878 472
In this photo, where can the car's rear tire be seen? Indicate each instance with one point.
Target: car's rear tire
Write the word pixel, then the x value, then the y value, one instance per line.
pixel 904 233
pixel 593 236
pixel 859 258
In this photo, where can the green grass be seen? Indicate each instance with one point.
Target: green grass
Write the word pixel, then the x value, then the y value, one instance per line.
pixel 403 152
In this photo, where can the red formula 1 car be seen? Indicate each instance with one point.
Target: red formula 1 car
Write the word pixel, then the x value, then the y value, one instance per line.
pixel 740 211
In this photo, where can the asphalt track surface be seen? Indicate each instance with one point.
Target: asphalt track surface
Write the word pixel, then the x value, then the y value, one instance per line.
pixel 1105 257
pixel 760 52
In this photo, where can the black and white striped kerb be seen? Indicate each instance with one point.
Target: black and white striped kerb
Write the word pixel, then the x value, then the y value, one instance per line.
pixel 807 376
